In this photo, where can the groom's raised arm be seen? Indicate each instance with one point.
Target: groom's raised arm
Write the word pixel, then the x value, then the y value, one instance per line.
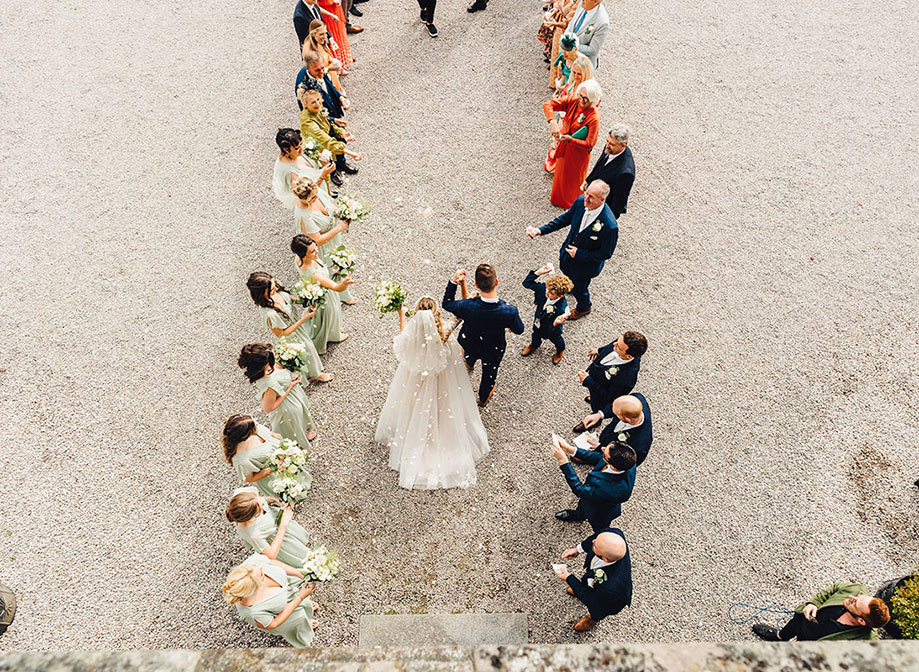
pixel 559 222
pixel 450 303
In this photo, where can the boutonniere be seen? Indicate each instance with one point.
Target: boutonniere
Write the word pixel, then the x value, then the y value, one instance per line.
pixel 590 29
pixel 581 118
pixel 612 371
pixel 623 436
pixel 599 576
pixel 597 226
pixel 549 310
pixel 324 112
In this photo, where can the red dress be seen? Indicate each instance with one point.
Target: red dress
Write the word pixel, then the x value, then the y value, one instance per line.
pixel 338 32
pixel 573 156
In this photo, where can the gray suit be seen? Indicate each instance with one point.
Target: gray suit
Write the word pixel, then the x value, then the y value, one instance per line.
pixel 591 34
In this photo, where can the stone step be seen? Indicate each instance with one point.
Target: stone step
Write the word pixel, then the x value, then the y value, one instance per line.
pixel 443 630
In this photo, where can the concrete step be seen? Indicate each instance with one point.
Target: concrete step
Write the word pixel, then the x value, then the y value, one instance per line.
pixel 443 630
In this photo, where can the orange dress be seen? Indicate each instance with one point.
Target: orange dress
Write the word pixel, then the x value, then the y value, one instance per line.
pixel 573 156
pixel 337 31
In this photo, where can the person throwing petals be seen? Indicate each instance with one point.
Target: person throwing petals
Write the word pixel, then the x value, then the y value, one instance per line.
pixel 591 240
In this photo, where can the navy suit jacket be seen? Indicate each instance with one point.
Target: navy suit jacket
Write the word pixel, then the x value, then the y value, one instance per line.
pixel 484 323
pixel 303 18
pixel 619 174
pixel 615 593
pixel 331 100
pixel 604 388
pixel 594 247
pixel 602 493
pixel 543 323
pixel 639 438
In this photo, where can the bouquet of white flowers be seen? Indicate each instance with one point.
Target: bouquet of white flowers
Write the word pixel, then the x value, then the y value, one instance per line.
pixel 350 208
pixel 288 460
pixel 389 297
pixel 289 490
pixel 320 565
pixel 308 293
pixel 290 354
pixel 343 261
pixel 311 150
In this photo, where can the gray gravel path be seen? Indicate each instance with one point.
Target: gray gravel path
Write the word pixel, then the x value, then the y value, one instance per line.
pixel 769 254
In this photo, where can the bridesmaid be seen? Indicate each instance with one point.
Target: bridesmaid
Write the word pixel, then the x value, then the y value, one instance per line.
pixel 267 598
pixel 246 447
pixel 291 164
pixel 257 523
pixel 283 398
pixel 314 217
pixel 577 136
pixel 327 322
pixel 281 316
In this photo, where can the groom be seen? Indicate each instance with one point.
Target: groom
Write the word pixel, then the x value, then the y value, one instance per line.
pixel 485 318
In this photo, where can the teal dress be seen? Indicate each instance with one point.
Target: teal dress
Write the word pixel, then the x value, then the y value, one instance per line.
pixel 274 320
pixel 316 222
pixel 566 71
pixel 292 418
pixel 264 529
pixel 327 320
pixel 256 458
pixel 296 629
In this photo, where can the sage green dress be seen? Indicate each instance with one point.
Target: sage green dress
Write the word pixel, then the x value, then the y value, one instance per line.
pixel 274 320
pixel 292 418
pixel 296 629
pixel 316 222
pixel 327 320
pixel 264 529
pixel 256 458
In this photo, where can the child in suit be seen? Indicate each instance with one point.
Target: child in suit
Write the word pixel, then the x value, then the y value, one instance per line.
pixel 551 310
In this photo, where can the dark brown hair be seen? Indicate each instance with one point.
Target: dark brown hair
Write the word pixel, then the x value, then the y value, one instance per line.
pixel 486 279
pixel 253 359
pixel 287 139
pixel 237 429
pixel 635 343
pixel 300 244
pixel 621 456
pixel 259 284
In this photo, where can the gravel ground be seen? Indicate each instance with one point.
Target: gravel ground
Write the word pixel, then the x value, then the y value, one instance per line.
pixel 769 254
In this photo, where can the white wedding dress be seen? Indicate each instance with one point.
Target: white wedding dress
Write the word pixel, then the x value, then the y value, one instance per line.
pixel 430 420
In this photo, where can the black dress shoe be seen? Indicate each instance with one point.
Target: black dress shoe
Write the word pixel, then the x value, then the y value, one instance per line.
pixel 356 2
pixel 348 168
pixel 354 11
pixel 569 516
pixel 336 179
pixel 766 632
pixel 477 6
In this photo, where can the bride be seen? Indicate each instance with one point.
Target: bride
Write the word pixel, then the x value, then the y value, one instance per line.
pixel 430 420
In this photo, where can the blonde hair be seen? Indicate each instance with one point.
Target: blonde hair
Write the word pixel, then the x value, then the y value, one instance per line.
pixel 242 507
pixel 314 46
pixel 585 66
pixel 303 188
pixel 242 582
pixel 427 303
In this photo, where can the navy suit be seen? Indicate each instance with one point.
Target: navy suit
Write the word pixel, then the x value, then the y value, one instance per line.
pixel 612 595
pixel 619 174
pixel 482 333
pixel 605 387
pixel 303 15
pixel 601 494
pixel 594 247
pixel 331 97
pixel 544 322
pixel 639 438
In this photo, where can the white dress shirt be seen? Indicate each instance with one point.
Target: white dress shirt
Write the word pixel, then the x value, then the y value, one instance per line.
pixel 590 216
pixel 623 426
pixel 612 359
pixel 610 157
pixel 550 302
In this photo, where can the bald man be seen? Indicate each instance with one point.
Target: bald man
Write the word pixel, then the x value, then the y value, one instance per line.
pixel 630 417
pixel 606 587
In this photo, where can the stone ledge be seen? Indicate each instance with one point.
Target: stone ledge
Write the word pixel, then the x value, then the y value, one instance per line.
pixel 887 656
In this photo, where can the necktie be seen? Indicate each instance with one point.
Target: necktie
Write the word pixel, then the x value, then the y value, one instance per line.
pixel 577 26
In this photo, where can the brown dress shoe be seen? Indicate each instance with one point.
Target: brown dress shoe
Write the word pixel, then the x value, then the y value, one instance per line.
pixel 557 357
pixel 579 428
pixel 527 351
pixel 353 30
pixel 569 591
pixel 577 314
pixel 483 404
pixel 584 624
